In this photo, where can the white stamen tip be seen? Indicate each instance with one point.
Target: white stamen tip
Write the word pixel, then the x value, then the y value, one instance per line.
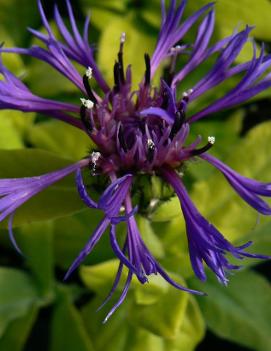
pixel 87 103
pixel 123 37
pixel 89 72
pixel 187 93
pixel 95 156
pixel 211 140
pixel 150 144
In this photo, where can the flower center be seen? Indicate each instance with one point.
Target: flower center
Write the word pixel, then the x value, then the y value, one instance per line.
pixel 136 131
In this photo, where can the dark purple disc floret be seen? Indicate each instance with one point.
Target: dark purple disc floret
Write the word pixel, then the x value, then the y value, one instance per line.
pixel 141 132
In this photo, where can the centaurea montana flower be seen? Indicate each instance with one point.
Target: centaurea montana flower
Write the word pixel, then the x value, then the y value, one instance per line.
pixel 141 132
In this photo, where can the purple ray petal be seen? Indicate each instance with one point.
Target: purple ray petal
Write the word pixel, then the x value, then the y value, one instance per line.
pixel 172 31
pixel 75 30
pixel 63 29
pixel 89 246
pixel 200 53
pixel 217 73
pixel 248 189
pixel 18 191
pixel 11 235
pixel 175 284
pixel 83 191
pixel 113 197
pixel 15 95
pixel 86 30
pixel 248 87
pixel 206 243
pixel 122 297
pixel 118 252
pixel 116 280
pixel 44 19
pixel 172 108
pixel 114 287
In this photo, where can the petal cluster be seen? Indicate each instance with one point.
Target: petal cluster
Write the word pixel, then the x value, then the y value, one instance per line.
pixel 137 258
pixel 15 95
pixel 206 243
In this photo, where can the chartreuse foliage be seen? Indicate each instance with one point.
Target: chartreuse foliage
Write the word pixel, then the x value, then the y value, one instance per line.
pixel 239 317
pixel 147 320
pixel 52 227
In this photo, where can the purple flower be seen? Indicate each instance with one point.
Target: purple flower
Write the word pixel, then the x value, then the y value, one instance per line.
pixel 141 132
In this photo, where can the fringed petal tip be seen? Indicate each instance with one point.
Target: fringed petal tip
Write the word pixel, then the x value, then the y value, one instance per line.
pixel 82 191
pixel 173 30
pixel 139 261
pixel 115 284
pixel 206 243
pixel 250 85
pixel 67 275
pixel 110 203
pixel 122 297
pixel 11 235
pixel 248 189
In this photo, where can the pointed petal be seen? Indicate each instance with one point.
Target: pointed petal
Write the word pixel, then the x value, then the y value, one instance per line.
pixel 89 246
pixel 83 191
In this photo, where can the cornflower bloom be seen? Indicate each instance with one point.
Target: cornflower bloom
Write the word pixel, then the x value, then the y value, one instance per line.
pixel 141 132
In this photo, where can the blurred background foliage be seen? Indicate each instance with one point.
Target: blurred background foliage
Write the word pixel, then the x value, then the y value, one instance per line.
pixel 40 312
